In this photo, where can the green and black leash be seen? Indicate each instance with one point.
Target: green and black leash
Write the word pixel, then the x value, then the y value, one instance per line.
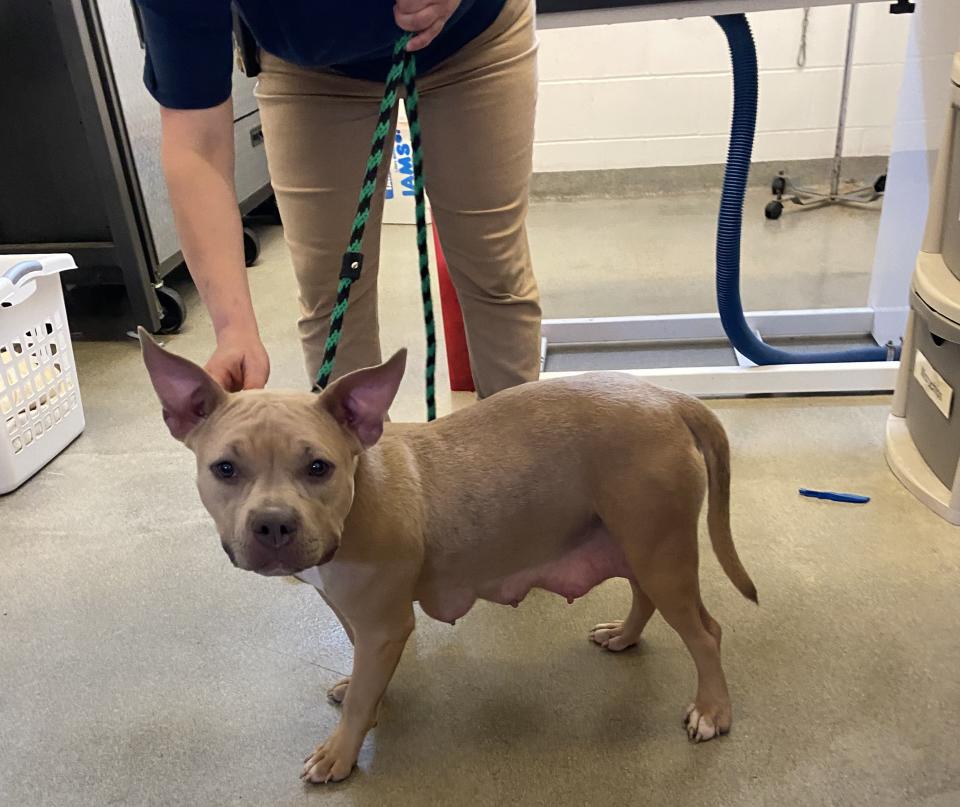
pixel 403 69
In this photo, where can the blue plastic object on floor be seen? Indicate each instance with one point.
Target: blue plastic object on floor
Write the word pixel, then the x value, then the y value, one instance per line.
pixel 848 498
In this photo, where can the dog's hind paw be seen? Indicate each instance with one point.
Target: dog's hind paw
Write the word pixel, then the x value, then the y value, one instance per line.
pixel 702 726
pixel 338 691
pixel 610 636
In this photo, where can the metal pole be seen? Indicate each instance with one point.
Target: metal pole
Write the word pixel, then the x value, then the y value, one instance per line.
pixel 844 94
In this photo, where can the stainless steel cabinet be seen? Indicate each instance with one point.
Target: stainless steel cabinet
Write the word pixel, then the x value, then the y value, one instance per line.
pixel 79 148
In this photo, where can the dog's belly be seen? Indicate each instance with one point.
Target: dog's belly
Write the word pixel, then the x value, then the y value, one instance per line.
pixel 597 558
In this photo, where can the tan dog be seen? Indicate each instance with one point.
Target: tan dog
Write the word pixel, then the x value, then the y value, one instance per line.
pixel 558 485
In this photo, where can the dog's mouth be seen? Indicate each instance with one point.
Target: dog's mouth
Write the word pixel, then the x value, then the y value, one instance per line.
pixel 276 565
pixel 276 568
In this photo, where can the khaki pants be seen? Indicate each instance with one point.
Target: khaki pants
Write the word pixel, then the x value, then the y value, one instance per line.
pixel 477 115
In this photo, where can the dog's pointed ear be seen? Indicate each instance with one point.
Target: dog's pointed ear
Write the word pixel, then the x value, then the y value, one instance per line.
pixel 187 394
pixel 359 401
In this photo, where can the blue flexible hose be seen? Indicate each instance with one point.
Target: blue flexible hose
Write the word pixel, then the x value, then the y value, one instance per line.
pixel 743 56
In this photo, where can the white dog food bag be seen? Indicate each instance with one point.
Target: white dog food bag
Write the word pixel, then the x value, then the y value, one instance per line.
pixel 398 205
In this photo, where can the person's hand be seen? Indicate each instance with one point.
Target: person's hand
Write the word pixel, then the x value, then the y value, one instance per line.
pixel 425 18
pixel 240 361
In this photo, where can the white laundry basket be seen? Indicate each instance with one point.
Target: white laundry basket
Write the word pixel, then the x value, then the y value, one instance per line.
pixel 40 409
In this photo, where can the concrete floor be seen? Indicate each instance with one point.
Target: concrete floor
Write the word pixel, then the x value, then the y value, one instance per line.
pixel 139 668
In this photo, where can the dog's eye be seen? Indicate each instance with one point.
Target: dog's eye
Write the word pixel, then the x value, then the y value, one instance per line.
pixel 319 468
pixel 224 469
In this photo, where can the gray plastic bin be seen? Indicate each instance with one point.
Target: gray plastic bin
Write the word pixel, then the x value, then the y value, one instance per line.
pixel 936 435
pixel 950 246
pixel 923 430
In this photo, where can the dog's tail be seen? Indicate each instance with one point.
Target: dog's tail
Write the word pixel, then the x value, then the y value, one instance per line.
pixel 712 439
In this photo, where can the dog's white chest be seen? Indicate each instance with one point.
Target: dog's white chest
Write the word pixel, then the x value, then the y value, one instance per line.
pixel 311 576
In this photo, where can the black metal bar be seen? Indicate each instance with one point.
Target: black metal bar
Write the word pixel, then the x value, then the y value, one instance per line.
pixel 85 75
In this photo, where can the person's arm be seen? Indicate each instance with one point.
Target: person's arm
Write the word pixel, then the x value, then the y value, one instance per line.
pixel 198 161
pixel 187 68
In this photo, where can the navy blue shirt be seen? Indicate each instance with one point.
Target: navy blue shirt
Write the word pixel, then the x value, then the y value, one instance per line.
pixel 189 50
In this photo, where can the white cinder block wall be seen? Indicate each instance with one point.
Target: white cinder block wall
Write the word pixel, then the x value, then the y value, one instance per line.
pixel 659 93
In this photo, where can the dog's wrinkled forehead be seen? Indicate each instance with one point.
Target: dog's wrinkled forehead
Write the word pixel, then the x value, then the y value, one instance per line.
pixel 268 427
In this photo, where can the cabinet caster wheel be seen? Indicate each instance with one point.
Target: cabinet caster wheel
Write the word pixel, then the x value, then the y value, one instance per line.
pixel 773 210
pixel 880 183
pixel 779 185
pixel 251 246
pixel 173 310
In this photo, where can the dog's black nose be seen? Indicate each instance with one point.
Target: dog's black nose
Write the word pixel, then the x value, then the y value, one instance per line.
pixel 274 527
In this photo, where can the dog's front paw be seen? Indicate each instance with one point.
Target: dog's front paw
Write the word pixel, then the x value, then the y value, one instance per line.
pixel 338 691
pixel 704 723
pixel 331 762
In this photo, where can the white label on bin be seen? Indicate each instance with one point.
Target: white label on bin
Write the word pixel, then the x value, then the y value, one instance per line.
pixel 932 383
